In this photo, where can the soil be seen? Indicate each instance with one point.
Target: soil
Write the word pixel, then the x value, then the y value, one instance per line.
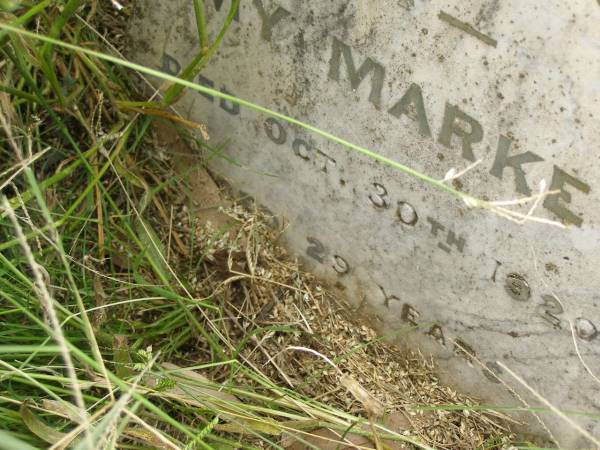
pixel 303 334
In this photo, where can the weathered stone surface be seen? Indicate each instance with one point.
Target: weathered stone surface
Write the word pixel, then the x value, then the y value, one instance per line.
pixel 435 85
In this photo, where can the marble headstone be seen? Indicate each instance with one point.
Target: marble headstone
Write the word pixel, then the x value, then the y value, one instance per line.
pixel 435 85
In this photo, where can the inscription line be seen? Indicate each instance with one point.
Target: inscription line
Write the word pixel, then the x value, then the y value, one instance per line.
pixel 469 29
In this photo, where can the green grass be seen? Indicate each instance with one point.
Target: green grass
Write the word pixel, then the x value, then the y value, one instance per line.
pixel 90 304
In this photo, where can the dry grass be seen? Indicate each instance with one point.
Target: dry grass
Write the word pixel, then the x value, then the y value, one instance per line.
pixel 270 305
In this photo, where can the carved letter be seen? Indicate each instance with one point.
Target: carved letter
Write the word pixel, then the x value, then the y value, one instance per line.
pixel 281 136
pixel 516 161
pixel 435 226
pixel 170 65
pixel 269 20
pixel 459 242
pixel 559 179
pixel 226 105
pixel 413 96
pixel 409 314
pixel 208 83
pixel 356 76
pixel 450 127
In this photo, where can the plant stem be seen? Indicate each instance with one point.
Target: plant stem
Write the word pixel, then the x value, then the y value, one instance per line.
pixel 26 17
pixel 200 60
pixel 59 23
pixel 201 25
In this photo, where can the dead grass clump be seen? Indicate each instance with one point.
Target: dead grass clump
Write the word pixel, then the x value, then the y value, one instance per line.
pixel 272 307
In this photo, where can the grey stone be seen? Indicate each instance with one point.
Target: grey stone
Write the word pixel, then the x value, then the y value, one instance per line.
pixel 434 85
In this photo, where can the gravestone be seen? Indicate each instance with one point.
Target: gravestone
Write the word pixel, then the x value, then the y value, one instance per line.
pixel 435 85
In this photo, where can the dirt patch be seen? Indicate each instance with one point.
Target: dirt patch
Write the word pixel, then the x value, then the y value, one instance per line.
pixel 297 332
